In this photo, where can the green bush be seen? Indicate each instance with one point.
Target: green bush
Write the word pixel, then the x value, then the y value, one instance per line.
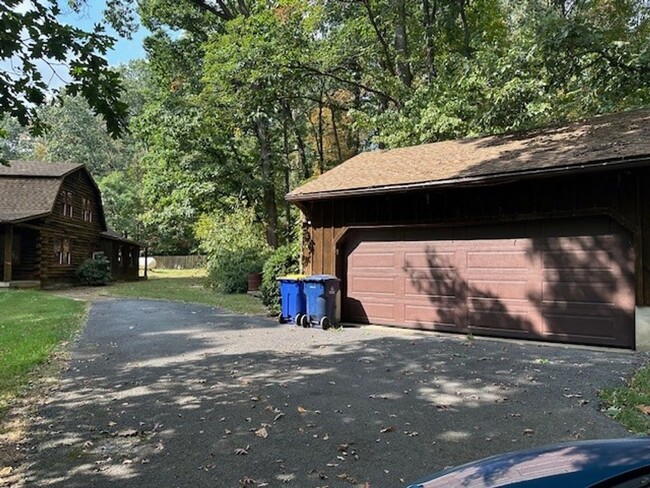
pixel 95 272
pixel 235 244
pixel 228 270
pixel 284 260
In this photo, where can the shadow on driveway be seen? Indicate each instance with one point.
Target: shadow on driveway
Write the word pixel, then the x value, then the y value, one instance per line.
pixel 168 394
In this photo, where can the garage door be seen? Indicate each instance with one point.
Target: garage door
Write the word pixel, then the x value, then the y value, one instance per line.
pixel 565 282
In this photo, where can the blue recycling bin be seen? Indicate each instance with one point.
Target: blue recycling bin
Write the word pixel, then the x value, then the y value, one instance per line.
pixel 292 298
pixel 321 292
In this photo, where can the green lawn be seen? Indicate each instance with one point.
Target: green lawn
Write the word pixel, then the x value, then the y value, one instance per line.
pixel 33 325
pixel 630 404
pixel 185 286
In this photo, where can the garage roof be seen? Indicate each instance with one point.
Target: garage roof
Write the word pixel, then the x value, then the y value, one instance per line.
pixel 598 142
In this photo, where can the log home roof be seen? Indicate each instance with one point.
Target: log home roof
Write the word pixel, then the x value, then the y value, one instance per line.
pixel 28 189
pixel 613 139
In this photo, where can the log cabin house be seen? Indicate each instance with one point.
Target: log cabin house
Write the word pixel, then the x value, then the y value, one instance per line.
pixel 538 235
pixel 51 220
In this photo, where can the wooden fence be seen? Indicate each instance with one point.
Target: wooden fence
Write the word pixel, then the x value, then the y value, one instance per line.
pixel 179 262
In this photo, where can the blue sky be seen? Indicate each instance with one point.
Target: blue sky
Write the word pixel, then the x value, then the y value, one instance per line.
pixel 124 50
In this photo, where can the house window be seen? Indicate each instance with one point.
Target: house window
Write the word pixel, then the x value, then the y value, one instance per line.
pixel 87 210
pixel 66 203
pixel 62 253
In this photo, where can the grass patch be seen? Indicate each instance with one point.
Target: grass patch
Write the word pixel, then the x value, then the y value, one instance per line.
pixel 624 403
pixel 32 326
pixel 185 286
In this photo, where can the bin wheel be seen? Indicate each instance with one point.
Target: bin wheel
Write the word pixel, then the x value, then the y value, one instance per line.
pixel 298 319
pixel 304 321
pixel 325 323
pixel 281 319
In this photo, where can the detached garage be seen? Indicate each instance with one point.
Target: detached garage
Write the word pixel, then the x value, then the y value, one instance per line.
pixel 539 235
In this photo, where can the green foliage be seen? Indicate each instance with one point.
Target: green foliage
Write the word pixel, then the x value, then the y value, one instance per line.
pixel 15 141
pixel 284 260
pixel 235 245
pixel 51 43
pixel 95 272
pixel 76 135
pixel 121 203
pixel 624 403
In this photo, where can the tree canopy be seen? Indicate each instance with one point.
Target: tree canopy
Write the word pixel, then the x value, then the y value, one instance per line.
pixel 36 47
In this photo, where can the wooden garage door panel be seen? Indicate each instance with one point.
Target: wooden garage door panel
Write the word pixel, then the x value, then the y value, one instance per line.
pixel 373 261
pixel 498 260
pixel 427 316
pixel 590 328
pixel 372 285
pixel 561 288
pixel 503 289
pixel 499 322
pixel 426 260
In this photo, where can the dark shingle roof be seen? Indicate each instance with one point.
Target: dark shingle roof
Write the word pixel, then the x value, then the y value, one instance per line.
pixel 38 169
pixel 28 189
pixel 613 137
pixel 24 198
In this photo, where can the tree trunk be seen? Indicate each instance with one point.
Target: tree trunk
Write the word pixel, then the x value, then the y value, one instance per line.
pixel 268 189
pixel 428 17
pixel 319 143
pixel 335 130
pixel 287 187
pixel 387 61
pixel 300 144
pixel 467 48
pixel 402 66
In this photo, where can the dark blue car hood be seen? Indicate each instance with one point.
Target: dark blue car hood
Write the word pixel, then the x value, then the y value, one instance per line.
pixel 576 464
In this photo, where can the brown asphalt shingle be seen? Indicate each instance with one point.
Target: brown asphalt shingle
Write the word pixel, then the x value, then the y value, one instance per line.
pixel 28 189
pixel 37 169
pixel 22 198
pixel 604 138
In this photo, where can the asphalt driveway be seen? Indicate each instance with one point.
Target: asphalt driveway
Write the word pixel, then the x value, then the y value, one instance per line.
pixel 163 394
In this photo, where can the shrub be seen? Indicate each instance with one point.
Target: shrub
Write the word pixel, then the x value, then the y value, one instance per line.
pixel 95 272
pixel 228 270
pixel 284 260
pixel 235 244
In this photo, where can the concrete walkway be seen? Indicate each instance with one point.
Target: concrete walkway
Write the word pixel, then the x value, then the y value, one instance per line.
pixel 163 394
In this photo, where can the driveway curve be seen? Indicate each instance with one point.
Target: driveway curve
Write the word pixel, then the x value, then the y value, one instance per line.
pixel 163 394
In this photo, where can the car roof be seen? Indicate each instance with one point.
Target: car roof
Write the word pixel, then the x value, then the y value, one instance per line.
pixel 576 464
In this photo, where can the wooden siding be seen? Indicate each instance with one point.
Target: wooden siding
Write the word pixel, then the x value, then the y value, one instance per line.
pixel 623 196
pixel 123 257
pixel 83 236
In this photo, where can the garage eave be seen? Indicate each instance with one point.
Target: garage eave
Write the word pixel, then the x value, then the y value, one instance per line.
pixel 489 179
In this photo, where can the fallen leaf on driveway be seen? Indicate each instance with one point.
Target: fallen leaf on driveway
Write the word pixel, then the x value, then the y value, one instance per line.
pixel 263 433
pixel 127 433
pixel 6 471
pixel 529 431
pixel 301 410
pixel 278 417
pixel 387 429
pixel 242 451
pixel 644 409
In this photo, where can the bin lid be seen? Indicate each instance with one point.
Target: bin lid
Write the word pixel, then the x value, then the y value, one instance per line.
pixel 291 277
pixel 321 278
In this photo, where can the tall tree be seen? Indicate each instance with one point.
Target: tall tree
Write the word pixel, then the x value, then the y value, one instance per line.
pixel 32 37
